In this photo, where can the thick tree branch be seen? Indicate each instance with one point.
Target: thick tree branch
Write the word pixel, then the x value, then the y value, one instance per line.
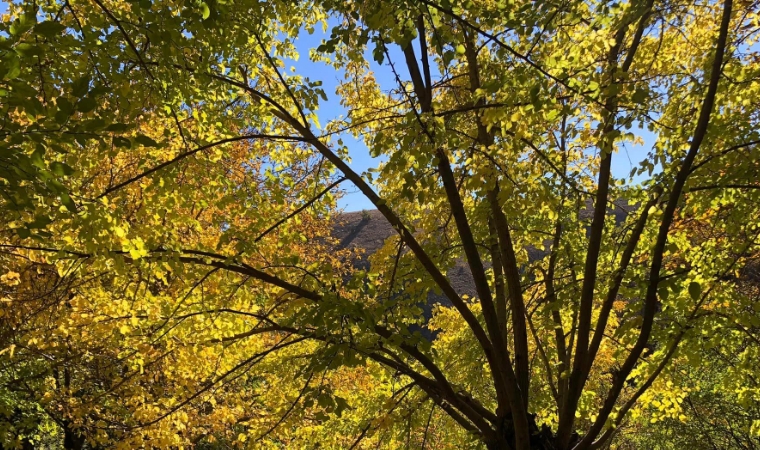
pixel 606 145
pixel 650 300
pixel 519 394
pixel 617 281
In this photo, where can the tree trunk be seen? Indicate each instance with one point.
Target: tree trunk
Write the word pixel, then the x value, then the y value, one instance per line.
pixel 540 438
pixel 72 439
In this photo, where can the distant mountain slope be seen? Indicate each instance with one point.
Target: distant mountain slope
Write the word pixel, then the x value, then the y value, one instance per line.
pixel 368 230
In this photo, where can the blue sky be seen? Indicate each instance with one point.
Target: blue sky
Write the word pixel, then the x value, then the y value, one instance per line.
pixel 331 109
pixel 623 162
pixel 626 159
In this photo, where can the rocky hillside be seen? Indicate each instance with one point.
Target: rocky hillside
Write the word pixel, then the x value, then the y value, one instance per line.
pixel 367 230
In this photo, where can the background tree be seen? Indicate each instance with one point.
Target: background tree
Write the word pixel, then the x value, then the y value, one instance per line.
pixel 193 159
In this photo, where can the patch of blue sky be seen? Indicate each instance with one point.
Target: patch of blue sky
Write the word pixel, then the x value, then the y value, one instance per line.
pixel 628 157
pixel 361 160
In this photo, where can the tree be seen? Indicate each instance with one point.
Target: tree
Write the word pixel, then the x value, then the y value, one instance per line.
pixel 193 158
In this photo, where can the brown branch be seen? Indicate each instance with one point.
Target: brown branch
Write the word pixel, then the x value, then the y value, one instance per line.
pixel 281 78
pixel 545 360
pixel 192 152
pixel 289 410
pixel 299 209
pixel 582 356
pixel 498 274
pixel 723 186
pixel 650 300
pixel 248 361
pixel 723 153
pixel 131 44
pixel 617 281
pixel 559 331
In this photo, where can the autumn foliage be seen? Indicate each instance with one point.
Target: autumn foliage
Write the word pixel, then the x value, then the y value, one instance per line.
pixel 170 186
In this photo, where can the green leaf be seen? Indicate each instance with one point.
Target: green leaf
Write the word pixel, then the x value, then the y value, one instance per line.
pixel 64 106
pixel 146 141
pixel 11 66
pixel 60 169
pixel 448 56
pixel 40 222
pixel 94 124
pixel 639 96
pixel 695 290
pixel 37 155
pixel 121 142
pixel 22 24
pixel 49 28
pixel 118 127
pixel 56 186
pixel 535 100
pixel 61 117
pixel 205 11
pixel 28 19
pixel 27 50
pixel 80 87
pixel 378 54
pixel 86 105
pixel 340 405
pixel 68 202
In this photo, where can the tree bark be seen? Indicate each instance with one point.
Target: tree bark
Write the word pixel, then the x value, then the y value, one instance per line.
pixel 72 439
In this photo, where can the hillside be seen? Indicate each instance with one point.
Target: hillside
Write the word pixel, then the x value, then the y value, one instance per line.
pixel 366 231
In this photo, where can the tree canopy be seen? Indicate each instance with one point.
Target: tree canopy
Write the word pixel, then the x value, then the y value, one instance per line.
pixel 170 187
